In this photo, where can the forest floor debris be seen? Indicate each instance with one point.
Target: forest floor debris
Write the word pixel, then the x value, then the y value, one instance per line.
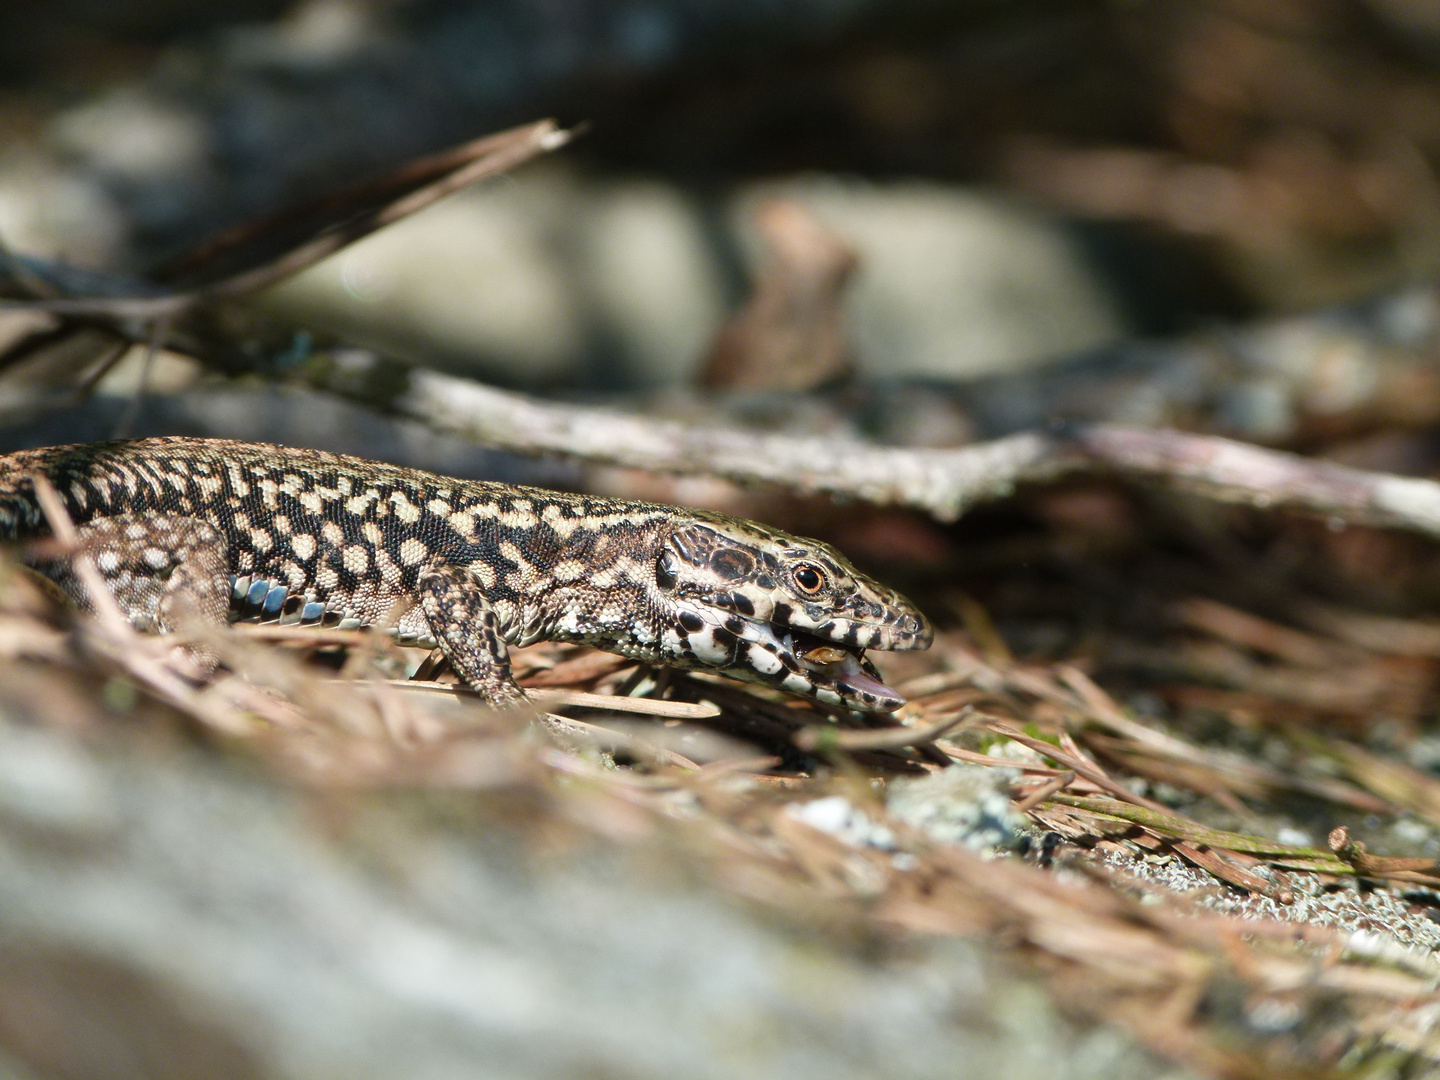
pixel 1216 903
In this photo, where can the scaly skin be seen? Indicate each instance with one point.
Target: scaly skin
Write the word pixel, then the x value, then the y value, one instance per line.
pixel 310 537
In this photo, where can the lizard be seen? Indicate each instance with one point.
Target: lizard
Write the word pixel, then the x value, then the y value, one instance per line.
pixel 221 530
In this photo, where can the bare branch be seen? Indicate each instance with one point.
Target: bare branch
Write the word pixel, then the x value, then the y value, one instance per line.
pixel 944 483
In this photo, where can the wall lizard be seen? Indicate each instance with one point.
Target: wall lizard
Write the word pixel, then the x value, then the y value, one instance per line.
pixel 251 530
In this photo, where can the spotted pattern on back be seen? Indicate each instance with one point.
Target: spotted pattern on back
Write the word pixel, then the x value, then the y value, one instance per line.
pixel 312 537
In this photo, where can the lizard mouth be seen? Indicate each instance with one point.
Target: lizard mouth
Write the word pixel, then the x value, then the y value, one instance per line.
pixel 841 670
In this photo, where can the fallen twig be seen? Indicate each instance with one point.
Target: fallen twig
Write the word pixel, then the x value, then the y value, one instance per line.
pixel 677 710
pixel 1046 789
pixel 944 483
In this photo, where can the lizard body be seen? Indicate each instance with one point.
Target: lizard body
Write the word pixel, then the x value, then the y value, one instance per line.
pixel 305 536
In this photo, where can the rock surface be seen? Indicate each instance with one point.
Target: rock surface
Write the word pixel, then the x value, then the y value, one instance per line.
pixel 169 912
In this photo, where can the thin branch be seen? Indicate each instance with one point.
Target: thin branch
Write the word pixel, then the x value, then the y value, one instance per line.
pixel 107 611
pixel 493 156
pixel 332 208
pixel 482 160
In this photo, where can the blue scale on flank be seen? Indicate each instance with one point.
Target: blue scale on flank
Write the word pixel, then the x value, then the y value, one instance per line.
pixel 261 600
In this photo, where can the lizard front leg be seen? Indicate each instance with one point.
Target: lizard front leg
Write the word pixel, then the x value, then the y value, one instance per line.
pixel 464 624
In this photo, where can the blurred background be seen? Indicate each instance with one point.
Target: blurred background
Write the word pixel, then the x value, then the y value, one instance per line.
pixel 924 222
pixel 930 191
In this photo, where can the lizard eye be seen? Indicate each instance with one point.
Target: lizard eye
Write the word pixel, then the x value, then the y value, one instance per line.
pixel 808 579
pixel 665 574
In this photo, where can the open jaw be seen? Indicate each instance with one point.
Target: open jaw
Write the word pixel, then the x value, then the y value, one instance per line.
pixel 832 673
pixel 785 657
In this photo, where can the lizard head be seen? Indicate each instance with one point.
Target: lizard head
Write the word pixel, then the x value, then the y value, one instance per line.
pixel 761 605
